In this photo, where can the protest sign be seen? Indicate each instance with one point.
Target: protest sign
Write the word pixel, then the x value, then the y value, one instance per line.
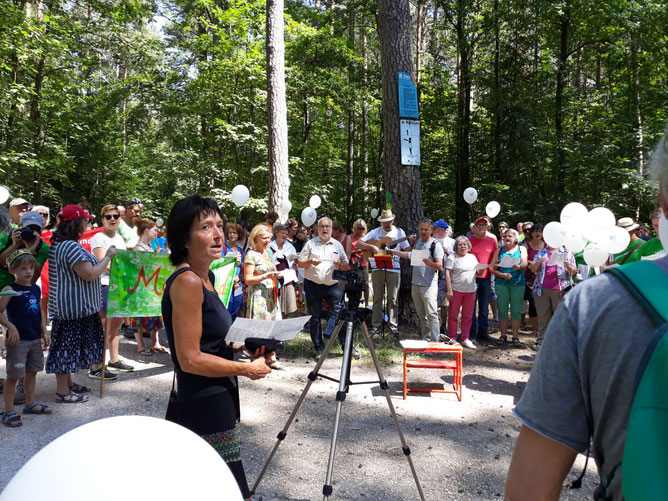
pixel 136 284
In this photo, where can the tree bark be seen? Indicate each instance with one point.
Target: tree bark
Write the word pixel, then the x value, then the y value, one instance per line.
pixel 560 160
pixel 277 111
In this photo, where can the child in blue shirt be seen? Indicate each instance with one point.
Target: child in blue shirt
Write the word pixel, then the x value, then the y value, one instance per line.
pixel 25 331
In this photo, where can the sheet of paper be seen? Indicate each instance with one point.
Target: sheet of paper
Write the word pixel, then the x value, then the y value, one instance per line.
pixel 233 254
pixel 289 275
pixel 583 272
pixel 509 261
pixel 13 293
pixel 556 259
pixel 482 266
pixel 418 257
pixel 282 330
pixel 413 344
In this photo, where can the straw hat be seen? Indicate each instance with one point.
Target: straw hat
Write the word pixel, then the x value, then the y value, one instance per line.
pixel 628 224
pixel 385 216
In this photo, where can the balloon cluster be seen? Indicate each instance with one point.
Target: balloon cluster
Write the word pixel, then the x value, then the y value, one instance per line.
pixel 593 232
pixel 309 214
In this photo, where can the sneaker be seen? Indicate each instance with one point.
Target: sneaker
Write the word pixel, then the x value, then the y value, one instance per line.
pixel 443 338
pixel 467 343
pixel 108 376
pixel 119 365
pixel 20 395
pixel 535 346
pixel 356 354
pixel 395 332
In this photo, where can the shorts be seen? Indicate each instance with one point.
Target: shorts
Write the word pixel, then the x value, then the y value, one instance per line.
pixel 26 356
pixel 104 295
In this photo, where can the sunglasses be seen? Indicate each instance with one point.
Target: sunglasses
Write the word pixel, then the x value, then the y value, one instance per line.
pixel 43 214
pixel 109 217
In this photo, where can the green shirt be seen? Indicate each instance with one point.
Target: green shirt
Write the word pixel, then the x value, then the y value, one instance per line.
pixel 7 278
pixel 128 233
pixel 619 257
pixel 649 248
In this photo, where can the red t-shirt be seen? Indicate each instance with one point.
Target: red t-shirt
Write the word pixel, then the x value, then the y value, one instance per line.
pixel 483 249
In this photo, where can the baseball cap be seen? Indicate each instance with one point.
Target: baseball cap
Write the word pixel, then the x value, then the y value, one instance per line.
pixel 441 224
pixel 32 218
pixel 134 201
pixel 481 219
pixel 18 201
pixel 72 212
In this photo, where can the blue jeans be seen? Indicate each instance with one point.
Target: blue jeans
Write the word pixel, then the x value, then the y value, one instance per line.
pixel 234 305
pixel 315 293
pixel 479 326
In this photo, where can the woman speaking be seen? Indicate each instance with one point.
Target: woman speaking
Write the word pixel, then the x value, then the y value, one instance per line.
pixel 196 322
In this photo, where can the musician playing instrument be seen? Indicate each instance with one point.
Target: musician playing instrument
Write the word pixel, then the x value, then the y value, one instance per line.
pixel 385 280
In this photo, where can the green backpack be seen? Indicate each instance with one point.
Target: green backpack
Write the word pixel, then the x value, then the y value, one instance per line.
pixel 645 462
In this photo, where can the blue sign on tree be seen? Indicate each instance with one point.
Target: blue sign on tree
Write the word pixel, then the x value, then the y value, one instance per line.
pixel 408 103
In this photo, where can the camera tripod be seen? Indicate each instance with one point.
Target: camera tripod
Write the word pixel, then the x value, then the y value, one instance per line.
pixel 347 317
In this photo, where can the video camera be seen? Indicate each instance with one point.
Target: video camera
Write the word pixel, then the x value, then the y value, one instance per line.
pixel 353 278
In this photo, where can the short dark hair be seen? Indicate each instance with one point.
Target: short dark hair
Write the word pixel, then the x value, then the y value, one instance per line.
pixel 280 227
pixel 68 230
pixel 180 220
pixel 272 217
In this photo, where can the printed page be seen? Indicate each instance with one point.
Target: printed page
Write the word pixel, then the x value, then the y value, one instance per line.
pixel 418 256
pixel 556 259
pixel 282 330
pixel 509 261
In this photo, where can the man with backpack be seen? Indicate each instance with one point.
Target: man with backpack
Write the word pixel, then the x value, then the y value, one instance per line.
pixel 424 284
pixel 601 377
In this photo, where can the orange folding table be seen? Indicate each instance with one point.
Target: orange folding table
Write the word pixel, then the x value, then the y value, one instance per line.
pixel 450 364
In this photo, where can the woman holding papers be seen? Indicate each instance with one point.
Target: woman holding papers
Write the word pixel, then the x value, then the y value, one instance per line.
pixel 197 323
pixel 234 233
pixel 286 256
pixel 554 269
pixel 510 262
pixel 261 277
pixel 460 285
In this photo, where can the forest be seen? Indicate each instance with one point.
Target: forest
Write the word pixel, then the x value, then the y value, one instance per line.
pixel 534 103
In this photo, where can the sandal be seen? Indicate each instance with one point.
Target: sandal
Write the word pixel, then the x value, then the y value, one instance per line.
pixel 71 398
pixel 274 365
pixel 160 349
pixel 502 340
pixel 145 352
pixel 11 419
pixel 78 388
pixel 37 408
pixel 517 343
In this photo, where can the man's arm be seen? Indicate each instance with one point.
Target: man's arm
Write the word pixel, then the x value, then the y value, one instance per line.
pixel 538 468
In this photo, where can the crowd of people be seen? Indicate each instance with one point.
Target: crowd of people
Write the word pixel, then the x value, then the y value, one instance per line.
pixel 61 275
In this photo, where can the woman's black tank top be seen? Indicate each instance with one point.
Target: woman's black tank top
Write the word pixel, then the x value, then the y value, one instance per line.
pixel 216 321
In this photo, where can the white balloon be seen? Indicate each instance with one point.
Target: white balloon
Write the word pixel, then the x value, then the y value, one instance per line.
pixel 43 477
pixel 470 195
pixel 616 240
pixel 598 219
pixel 573 214
pixel 314 201
pixel 554 234
pixel 159 221
pixel 574 240
pixel 493 208
pixel 4 194
pixel 594 255
pixel 309 216
pixel 240 195
pixel 374 213
pixel 285 207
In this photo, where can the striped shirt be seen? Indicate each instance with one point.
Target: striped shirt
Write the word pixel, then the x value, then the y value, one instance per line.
pixel 70 296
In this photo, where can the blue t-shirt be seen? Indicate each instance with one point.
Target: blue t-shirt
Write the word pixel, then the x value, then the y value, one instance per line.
pixel 24 312
pixel 158 244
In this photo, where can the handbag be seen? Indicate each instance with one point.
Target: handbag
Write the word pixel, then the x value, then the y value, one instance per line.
pixel 172 413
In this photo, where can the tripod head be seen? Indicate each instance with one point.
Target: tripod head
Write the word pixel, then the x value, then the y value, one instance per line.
pixel 354 285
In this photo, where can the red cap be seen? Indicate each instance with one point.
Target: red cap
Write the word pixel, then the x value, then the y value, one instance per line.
pixel 481 219
pixel 72 212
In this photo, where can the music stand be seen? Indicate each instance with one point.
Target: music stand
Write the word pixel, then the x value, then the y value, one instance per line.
pixel 383 262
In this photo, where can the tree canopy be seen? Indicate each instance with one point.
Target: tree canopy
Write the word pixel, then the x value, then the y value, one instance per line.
pixel 533 103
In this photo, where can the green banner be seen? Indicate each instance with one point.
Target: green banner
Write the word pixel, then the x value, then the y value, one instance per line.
pixel 224 270
pixel 137 282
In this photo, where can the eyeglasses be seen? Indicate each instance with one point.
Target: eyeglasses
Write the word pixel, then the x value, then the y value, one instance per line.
pixel 109 217
pixel 45 215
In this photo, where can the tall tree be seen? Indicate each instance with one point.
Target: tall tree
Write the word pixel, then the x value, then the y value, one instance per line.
pixel 277 111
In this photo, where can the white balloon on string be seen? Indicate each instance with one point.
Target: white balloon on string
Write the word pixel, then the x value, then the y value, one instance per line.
pixel 285 207
pixel 573 213
pixel 374 213
pixel 240 195
pixel 314 201
pixel 470 195
pixel 73 452
pixel 616 240
pixel 4 194
pixel 594 255
pixel 159 221
pixel 574 241
pixel 554 235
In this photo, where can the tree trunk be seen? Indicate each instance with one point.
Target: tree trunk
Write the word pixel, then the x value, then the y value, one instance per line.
pixel 402 181
pixel 277 111
pixel 560 160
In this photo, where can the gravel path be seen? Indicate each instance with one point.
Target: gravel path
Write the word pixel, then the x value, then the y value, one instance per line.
pixel 461 450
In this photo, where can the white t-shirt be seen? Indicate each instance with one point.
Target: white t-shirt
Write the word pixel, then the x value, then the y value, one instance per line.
pixel 462 276
pixel 102 241
pixel 447 243
pixel 395 234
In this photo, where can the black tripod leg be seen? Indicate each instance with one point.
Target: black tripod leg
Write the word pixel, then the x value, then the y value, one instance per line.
pixel 384 386
pixel 340 397
pixel 311 377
